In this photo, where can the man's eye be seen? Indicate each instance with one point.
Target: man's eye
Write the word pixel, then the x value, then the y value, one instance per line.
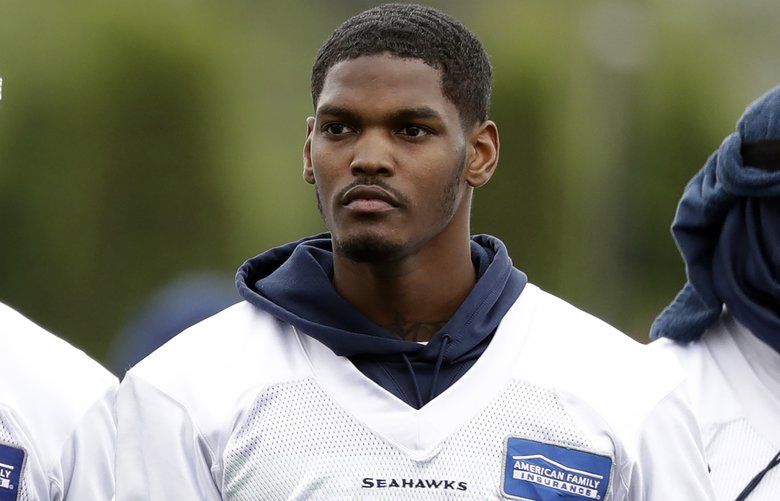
pixel 337 129
pixel 414 131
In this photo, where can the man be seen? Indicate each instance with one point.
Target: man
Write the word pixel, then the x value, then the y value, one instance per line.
pixel 57 431
pixel 725 323
pixel 396 358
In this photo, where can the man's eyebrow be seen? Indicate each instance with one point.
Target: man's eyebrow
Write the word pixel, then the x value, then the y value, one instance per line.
pixel 419 113
pixel 329 109
pixel 404 114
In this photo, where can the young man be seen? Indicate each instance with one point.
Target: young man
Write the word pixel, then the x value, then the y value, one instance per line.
pixel 397 358
pixel 57 431
pixel 725 323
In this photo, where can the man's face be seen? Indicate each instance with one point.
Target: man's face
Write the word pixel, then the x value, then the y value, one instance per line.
pixel 386 152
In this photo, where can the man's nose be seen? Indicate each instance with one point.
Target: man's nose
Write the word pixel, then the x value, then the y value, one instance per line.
pixel 373 155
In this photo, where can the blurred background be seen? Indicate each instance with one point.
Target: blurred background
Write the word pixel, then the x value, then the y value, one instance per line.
pixel 148 148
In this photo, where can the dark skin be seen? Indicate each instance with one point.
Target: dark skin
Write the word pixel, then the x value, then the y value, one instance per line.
pixel 395 169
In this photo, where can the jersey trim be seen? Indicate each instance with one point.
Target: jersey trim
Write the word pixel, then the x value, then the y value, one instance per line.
pixel 395 420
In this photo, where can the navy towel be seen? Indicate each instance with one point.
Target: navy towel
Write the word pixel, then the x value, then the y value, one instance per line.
pixel 727 228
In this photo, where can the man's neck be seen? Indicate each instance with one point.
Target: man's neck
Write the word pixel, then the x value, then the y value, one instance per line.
pixel 414 296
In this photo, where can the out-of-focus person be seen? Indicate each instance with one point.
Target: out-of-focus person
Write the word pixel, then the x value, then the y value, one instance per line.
pixel 724 325
pixel 178 305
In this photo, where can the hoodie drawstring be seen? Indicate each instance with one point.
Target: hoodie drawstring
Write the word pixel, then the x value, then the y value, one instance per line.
pixel 414 380
pixel 436 370
pixel 444 344
pixel 757 479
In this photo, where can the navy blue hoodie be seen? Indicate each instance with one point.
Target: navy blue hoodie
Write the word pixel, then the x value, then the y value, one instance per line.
pixel 293 282
pixel 727 228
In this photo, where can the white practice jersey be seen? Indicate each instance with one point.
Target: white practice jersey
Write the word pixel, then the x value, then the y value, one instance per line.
pixel 57 432
pixel 559 406
pixel 734 381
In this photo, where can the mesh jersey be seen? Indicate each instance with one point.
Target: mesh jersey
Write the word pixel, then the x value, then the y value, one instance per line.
pixel 263 459
pixel 55 417
pixel 737 412
pixel 243 407
pixel 7 437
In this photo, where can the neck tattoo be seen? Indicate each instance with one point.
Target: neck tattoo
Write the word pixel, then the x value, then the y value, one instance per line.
pixel 414 330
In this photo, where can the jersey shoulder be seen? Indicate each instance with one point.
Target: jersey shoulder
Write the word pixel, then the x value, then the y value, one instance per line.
pixel 39 369
pixel 735 411
pixel 39 349
pixel 46 384
pixel 216 367
pixel 596 364
pixel 225 349
pixel 708 388
pixel 723 381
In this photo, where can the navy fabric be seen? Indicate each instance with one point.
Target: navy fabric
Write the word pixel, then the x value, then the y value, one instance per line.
pixel 727 228
pixel 294 283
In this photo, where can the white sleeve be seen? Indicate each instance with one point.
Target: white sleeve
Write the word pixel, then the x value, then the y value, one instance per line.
pixel 161 456
pixel 86 466
pixel 671 463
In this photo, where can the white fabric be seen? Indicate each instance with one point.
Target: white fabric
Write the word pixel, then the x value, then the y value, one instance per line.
pixel 243 407
pixel 56 404
pixel 731 382
pixel 763 359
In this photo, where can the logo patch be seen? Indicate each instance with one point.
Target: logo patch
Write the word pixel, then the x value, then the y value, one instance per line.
pixel 538 471
pixel 11 462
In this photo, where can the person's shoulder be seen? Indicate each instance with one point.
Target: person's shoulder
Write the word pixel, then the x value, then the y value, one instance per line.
pixel 596 364
pixel 212 367
pixel 718 378
pixel 570 327
pixel 238 338
pixel 39 365
pixel 694 358
pixel 692 355
pixel 47 386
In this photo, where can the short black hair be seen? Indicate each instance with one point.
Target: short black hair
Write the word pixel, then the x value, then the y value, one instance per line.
pixel 413 31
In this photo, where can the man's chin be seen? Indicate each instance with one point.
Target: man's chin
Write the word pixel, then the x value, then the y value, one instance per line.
pixel 368 249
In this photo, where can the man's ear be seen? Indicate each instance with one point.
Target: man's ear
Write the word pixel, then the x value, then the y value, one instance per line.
pixel 308 172
pixel 482 156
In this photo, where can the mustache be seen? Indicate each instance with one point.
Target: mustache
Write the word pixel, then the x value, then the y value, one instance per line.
pixel 372 181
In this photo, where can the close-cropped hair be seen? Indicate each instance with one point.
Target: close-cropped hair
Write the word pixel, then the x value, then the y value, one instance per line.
pixel 413 31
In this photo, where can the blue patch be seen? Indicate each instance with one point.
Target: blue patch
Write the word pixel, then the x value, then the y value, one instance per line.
pixel 538 471
pixel 11 463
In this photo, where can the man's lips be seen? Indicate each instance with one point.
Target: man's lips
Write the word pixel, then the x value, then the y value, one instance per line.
pixel 369 198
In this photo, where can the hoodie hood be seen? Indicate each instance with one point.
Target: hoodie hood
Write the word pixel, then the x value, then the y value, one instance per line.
pixel 293 282
pixel 727 228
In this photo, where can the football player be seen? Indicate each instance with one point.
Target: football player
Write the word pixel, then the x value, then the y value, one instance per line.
pixel 57 430
pixel 396 357
pixel 725 323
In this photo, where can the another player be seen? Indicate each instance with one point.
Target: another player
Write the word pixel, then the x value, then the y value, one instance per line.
pixel 396 357
pixel 725 323
pixel 57 431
